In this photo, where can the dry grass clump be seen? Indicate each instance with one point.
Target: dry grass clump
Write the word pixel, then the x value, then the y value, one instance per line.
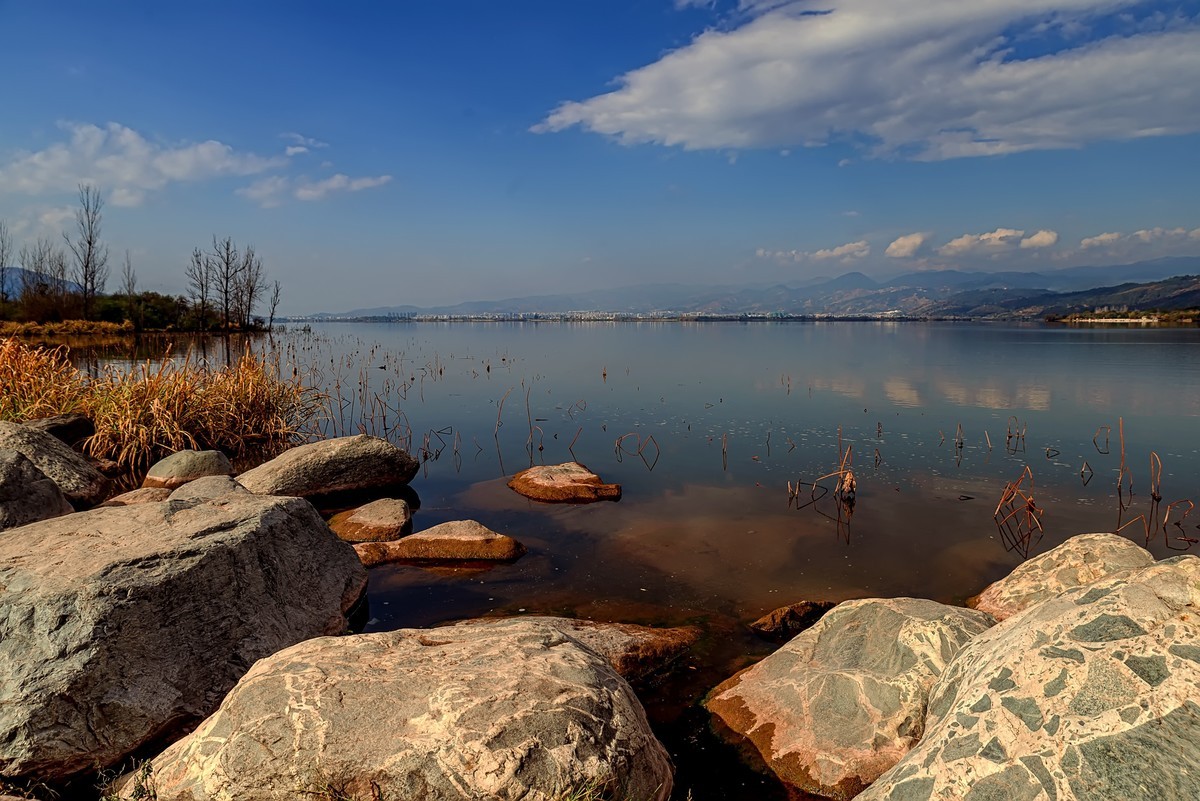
pixel 64 328
pixel 160 407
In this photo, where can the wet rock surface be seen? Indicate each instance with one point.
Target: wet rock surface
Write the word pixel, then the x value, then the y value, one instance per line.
pixel 458 540
pixel 378 521
pixel 786 622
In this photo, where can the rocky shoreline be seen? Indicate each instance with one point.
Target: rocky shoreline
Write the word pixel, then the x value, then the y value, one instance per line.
pixel 202 621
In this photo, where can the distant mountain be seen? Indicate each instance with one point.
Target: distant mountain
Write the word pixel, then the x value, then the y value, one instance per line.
pixel 928 293
pixel 15 277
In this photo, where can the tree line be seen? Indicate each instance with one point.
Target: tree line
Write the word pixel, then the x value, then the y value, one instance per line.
pixel 225 285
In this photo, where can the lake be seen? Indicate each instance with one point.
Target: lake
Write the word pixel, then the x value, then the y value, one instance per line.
pixel 717 431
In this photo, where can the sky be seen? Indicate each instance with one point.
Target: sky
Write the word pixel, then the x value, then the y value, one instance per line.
pixel 430 153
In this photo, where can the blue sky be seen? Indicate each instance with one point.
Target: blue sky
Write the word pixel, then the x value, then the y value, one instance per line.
pixel 380 153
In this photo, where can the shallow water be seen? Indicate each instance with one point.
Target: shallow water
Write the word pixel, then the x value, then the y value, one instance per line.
pixel 707 531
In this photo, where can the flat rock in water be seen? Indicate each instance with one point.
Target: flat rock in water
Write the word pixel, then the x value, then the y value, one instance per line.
pixel 519 711
pixel 83 485
pixel 121 626
pixel 1080 560
pixel 181 467
pixel 140 495
pixel 333 465
pixel 459 540
pixel 786 622
pixel 208 488
pixel 26 494
pixel 1092 695
pixel 378 521
pixel 845 700
pixel 635 652
pixel 570 482
pixel 72 429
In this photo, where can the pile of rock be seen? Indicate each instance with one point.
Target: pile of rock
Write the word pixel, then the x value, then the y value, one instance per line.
pixel 1086 688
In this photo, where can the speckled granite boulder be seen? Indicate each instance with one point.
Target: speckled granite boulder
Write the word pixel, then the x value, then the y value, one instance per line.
pixel 845 700
pixel 120 626
pixel 456 541
pixel 513 711
pixel 332 465
pixel 1092 695
pixel 26 494
pixel 181 467
pixel 1080 560
pixel 140 495
pixel 82 484
pixel 208 488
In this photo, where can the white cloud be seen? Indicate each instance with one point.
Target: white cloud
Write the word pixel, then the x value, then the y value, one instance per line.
pixel 925 79
pixel 849 252
pixel 992 242
pixel 1042 239
pixel 294 150
pixel 267 192
pixel 1100 240
pixel 56 218
pixel 338 183
pixel 120 159
pixel 906 246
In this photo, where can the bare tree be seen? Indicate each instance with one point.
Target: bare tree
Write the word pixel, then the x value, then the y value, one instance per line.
pixel 36 294
pixel 129 289
pixel 6 253
pixel 60 285
pixel 91 256
pixel 250 286
pixel 227 269
pixel 200 280
pixel 274 304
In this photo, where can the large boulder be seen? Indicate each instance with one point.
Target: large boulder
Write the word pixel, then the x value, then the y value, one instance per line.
pixel 458 540
pixel 140 495
pixel 26 495
pixel 208 488
pixel 333 465
pixel 83 485
pixel 570 482
pixel 181 467
pixel 519 711
pixel 70 428
pixel 635 652
pixel 378 521
pixel 1092 695
pixel 1080 560
pixel 123 625
pixel 845 700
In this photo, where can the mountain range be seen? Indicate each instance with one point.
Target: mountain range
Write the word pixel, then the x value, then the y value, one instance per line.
pixel 1169 283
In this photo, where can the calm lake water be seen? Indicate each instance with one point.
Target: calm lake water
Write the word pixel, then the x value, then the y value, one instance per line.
pixel 720 418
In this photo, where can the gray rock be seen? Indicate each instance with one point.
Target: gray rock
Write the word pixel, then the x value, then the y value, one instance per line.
pixel 1082 559
pixel 378 521
pixel 208 488
pixel 72 429
pixel 181 467
pixel 1090 695
pixel 456 541
pixel 635 652
pixel 122 625
pixel 26 495
pixel 513 711
pixel 845 699
pixel 333 465
pixel 83 485
pixel 141 495
pixel 786 622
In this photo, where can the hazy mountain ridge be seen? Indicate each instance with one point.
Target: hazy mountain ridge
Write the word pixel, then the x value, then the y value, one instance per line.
pixel 1162 283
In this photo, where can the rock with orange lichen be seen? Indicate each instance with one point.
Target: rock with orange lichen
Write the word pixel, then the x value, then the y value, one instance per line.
pixel 564 483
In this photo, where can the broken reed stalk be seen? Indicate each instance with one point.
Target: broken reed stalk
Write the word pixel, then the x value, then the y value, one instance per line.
pixel 500 411
pixel 958 438
pixel 1155 476
pixel 989 439
pixel 1107 430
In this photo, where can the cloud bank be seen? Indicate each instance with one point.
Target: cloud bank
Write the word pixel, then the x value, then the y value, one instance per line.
pixel 920 79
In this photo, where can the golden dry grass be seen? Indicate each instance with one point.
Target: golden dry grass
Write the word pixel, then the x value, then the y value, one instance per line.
pixel 159 407
pixel 64 329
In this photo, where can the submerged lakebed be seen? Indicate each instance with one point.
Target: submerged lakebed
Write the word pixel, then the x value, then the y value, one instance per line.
pixel 708 428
